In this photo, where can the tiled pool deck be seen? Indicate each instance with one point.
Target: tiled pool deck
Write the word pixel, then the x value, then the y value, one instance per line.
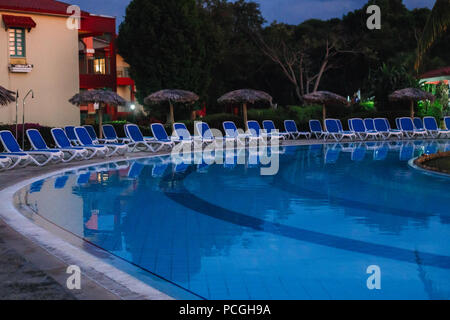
pixel 28 271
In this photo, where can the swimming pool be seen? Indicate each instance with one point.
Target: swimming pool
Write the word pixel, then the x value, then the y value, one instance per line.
pixel 308 232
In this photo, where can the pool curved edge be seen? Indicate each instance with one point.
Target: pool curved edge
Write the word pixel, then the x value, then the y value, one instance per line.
pixel 99 266
pixel 412 164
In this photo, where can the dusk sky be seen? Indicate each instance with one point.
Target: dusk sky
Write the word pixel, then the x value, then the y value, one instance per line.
pixel 288 11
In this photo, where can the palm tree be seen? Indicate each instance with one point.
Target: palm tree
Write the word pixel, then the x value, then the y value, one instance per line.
pixel 437 24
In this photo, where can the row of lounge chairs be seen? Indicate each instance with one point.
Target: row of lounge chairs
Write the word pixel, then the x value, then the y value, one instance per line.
pixel 380 129
pixel 82 143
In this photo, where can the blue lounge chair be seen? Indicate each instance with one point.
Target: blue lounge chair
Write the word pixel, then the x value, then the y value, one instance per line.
pixel 418 123
pixel 370 124
pixel 232 133
pixel 334 130
pixel 397 123
pixel 291 128
pixel 160 134
pixel 90 129
pixel 111 136
pixel 350 127
pixel 107 150
pixel 360 129
pixel 382 127
pixel 70 132
pixel 433 129
pixel 205 133
pixel 63 142
pixel 38 144
pixel 12 147
pixel 315 126
pixel 5 162
pixel 182 133
pixel 408 129
pixel 348 134
pixel 447 123
pixel 139 142
pixel 269 126
pixel 254 129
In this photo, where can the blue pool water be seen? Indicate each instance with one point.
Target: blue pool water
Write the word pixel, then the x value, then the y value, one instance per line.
pixel 308 232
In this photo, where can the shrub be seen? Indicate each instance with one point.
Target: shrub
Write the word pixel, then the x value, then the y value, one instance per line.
pixel 428 109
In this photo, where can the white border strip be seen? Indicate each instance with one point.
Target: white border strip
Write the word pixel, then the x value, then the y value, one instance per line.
pixel 425 171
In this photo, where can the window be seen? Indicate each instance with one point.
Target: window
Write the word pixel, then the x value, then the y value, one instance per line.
pixel 100 66
pixel 17 42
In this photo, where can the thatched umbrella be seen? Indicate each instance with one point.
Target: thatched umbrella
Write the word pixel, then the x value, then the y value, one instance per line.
pixel 245 96
pixel 412 95
pixel 172 96
pixel 102 97
pixel 6 96
pixel 325 98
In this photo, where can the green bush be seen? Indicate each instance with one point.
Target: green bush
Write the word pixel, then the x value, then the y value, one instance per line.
pixel 428 109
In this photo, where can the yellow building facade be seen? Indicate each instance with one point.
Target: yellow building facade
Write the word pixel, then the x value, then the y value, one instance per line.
pixel 44 59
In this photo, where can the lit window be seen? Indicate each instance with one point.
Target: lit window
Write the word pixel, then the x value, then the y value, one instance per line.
pixel 100 66
pixel 17 42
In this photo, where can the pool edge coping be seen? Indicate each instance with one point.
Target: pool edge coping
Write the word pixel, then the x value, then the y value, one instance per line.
pixel 412 164
pixel 96 269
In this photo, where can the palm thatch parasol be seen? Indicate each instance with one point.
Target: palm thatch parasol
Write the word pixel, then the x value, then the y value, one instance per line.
pixel 325 98
pixel 412 95
pixel 245 96
pixel 102 97
pixel 172 96
pixel 6 96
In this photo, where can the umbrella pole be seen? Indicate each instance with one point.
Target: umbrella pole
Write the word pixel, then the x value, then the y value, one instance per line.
pixel 17 113
pixel 324 114
pixel 412 109
pixel 244 108
pixel 100 121
pixel 172 117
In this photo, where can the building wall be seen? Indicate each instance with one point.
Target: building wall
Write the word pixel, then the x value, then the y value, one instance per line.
pixel 125 91
pixel 53 50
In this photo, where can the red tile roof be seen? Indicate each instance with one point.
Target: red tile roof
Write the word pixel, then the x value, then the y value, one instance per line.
pixel 39 6
pixel 436 73
pixel 18 22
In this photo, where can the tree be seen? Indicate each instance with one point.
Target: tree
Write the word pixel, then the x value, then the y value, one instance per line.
pixel 437 24
pixel 387 79
pixel 304 53
pixel 164 43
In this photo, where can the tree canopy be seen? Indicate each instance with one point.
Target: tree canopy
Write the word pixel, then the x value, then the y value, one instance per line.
pixel 214 46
